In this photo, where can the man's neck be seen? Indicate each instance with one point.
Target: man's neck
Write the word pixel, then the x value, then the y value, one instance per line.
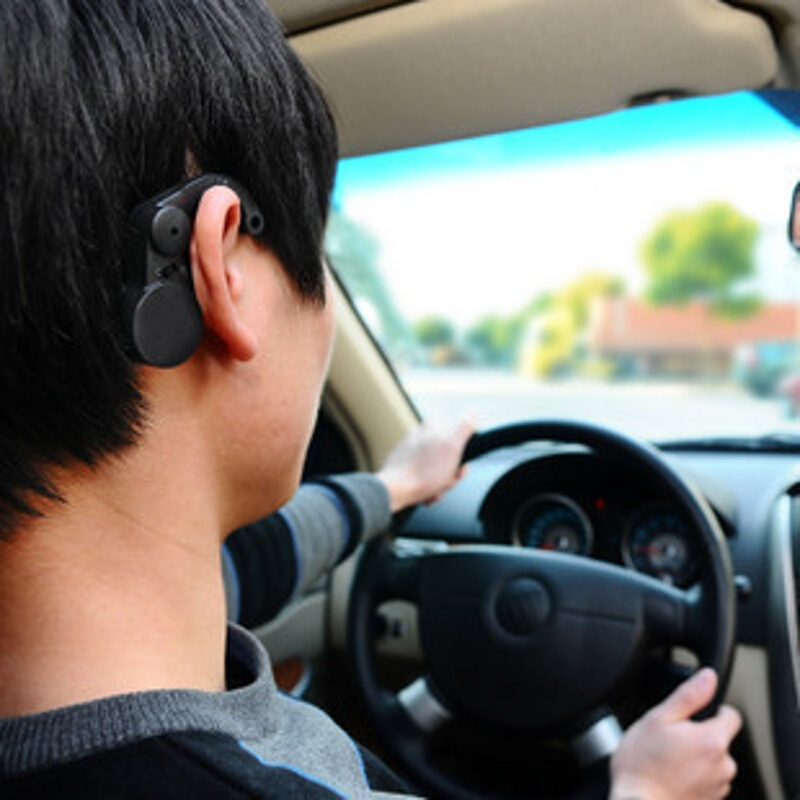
pixel 97 600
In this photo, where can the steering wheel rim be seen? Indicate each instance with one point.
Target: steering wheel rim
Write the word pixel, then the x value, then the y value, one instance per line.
pixel 371 587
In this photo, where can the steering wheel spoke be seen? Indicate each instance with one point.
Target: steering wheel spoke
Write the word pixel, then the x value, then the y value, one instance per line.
pixel 598 741
pixel 423 707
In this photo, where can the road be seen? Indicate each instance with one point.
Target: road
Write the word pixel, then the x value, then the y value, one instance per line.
pixel 652 410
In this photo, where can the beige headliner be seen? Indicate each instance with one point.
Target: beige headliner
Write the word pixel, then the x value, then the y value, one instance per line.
pixel 401 74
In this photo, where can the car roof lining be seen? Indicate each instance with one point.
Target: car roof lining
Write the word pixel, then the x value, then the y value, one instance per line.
pixel 412 73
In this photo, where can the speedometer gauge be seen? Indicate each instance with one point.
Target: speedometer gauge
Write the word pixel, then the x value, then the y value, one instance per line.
pixel 553 522
pixel 659 544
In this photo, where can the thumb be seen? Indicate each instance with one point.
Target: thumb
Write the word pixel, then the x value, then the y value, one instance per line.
pixel 466 426
pixel 691 696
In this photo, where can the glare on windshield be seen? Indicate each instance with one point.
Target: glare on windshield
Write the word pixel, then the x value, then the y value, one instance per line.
pixel 631 269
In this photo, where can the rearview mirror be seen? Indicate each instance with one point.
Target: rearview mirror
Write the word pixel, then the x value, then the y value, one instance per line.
pixel 794 219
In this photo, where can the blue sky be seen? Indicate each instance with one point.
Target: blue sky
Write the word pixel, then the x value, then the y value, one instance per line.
pixel 733 117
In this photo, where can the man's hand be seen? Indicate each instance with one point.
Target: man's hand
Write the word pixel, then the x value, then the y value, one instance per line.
pixel 667 755
pixel 425 464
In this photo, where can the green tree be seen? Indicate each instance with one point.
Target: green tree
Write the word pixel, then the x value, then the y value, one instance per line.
pixel 705 254
pixel 435 332
pixel 556 324
pixel 494 339
pixel 577 297
pixel 437 336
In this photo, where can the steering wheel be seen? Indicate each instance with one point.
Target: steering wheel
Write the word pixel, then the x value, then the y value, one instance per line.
pixel 525 644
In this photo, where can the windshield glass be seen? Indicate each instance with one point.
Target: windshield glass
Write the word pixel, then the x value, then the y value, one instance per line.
pixel 632 270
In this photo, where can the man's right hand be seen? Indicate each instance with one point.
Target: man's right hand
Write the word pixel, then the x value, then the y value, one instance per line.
pixel 666 755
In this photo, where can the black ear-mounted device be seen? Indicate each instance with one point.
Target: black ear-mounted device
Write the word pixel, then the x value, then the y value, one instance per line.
pixel 162 320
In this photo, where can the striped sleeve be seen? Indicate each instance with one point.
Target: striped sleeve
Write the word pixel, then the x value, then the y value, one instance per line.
pixel 278 558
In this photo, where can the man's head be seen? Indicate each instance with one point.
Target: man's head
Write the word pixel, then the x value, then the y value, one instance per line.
pixel 104 105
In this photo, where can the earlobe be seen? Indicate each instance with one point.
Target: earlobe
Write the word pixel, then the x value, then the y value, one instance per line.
pixel 218 281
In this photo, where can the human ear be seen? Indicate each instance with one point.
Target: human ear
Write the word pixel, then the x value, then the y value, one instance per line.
pixel 218 281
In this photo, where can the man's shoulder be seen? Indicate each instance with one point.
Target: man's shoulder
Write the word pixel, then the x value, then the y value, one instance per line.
pixel 196 765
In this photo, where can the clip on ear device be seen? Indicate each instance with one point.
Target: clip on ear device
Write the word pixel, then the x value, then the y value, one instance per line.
pixel 163 320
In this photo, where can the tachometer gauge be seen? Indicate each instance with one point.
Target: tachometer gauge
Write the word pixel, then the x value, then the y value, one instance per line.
pixel 659 544
pixel 553 522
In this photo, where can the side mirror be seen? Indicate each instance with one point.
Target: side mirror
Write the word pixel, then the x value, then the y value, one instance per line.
pixel 794 219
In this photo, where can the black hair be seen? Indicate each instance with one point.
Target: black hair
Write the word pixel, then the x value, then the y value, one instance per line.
pixel 104 103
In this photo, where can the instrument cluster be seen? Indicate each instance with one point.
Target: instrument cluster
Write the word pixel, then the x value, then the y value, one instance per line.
pixel 581 506
pixel 657 541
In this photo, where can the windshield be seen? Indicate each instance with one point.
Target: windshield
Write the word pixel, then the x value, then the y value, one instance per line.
pixel 633 269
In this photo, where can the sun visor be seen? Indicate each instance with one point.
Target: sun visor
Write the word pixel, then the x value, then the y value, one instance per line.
pixel 430 71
